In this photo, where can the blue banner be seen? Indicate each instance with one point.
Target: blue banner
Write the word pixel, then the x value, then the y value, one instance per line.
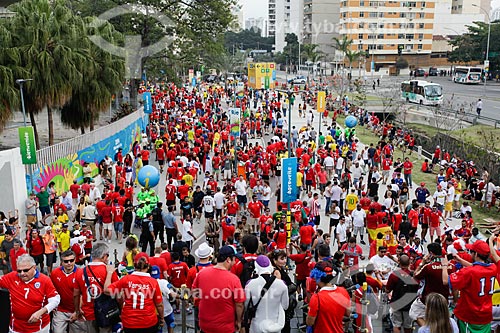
pixel 148 103
pixel 288 179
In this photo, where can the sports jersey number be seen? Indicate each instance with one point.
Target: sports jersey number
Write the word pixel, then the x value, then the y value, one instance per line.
pixel 178 272
pixel 27 290
pixel 482 281
pixel 141 297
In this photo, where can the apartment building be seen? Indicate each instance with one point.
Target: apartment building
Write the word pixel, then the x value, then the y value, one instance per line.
pixel 321 20
pixel 387 28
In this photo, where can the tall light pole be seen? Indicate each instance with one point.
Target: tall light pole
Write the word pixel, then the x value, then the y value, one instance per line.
pixel 486 61
pixel 21 82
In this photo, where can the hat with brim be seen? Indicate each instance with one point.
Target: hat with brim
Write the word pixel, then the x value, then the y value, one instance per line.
pixel 204 251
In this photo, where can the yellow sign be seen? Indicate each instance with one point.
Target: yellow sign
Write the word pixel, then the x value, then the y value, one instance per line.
pixel 321 101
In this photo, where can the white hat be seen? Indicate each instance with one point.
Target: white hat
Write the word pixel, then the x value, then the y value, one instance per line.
pixel 263 265
pixel 204 251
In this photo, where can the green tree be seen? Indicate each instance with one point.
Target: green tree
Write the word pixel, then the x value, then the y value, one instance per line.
pixel 247 40
pixel 471 46
pixel 45 34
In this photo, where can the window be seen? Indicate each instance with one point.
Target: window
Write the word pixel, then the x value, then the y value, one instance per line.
pixel 420 36
pixel 460 6
pixel 420 15
pixel 412 4
pixel 361 3
pixel 403 15
pixel 361 26
pixel 423 4
pixel 411 15
pixel 402 25
pixel 380 47
pixel 360 46
pixel 344 15
pixel 381 26
pixel 372 36
pixel 360 36
pixel 401 36
pixel 361 14
pixel 373 14
pixel 380 36
pixel 420 47
pixel 409 36
pixel 409 47
pixel 411 26
pixel 372 25
pixel 421 25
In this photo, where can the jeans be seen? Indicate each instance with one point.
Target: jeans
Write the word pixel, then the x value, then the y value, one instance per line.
pixel 327 205
pixel 408 179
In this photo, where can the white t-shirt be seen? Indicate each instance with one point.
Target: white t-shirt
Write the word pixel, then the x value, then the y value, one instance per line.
pixel 266 193
pixel 341 231
pixel 186 227
pixel 336 193
pixel 450 194
pixel 208 204
pixel 382 264
pixel 240 187
pixel 439 197
pixel 329 161
pixel 340 163
pixel 358 217
pixel 219 200
pixel 165 292
pixel 356 172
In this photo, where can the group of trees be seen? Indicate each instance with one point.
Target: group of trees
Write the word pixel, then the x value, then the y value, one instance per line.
pixel 47 41
pixel 471 46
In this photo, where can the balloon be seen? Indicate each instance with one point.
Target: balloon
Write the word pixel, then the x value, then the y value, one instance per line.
pixel 351 121
pixel 148 176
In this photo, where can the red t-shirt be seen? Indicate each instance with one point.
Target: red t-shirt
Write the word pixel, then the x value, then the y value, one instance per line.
pixel 372 221
pixel 413 218
pixel 432 272
pixel 217 314
pixel 177 271
pixel 227 230
pixel 167 257
pixel 351 254
pixel 160 262
pixel 232 208
pixel 106 214
pixel 306 233
pixel 183 191
pixel 13 255
pixel 26 299
pixel 476 284
pixel 193 272
pixel 65 285
pixel 170 192
pixel 117 212
pixel 302 260
pixel 160 154
pixel 330 311
pixel 140 293
pixel 434 219
pixel 407 166
pixel 145 155
pixel 74 190
pixel 255 207
pixel 238 266
pixel 99 270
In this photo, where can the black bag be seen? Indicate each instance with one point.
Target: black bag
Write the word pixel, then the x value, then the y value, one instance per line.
pixel 247 273
pixel 106 310
pixel 251 310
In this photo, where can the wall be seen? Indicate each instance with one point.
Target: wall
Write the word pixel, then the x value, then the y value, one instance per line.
pixel 13 176
pixel 63 162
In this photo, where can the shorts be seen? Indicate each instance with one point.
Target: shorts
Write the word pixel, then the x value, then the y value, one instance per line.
pixel 317 220
pixel 334 222
pixel 448 207
pixel 417 310
pixel 227 174
pixel 435 230
pixel 50 259
pixel 241 199
pixel 457 196
pixel 38 259
pixel 107 226
pixel 118 226
pixel 169 320
pixel 473 328
pixel 496 314
pixel 413 231
pixel 198 209
pixel 209 215
pixel 161 162
pixel 385 173
pixel 31 218
pixel 171 203
pixel 401 319
pixel 309 182
pixel 358 230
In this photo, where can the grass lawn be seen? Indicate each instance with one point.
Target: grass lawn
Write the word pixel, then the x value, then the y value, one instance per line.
pixel 366 137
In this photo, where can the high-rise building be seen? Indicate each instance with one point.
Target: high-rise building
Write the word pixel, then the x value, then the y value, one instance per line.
pixel 279 22
pixel 257 23
pixel 387 28
pixel 495 14
pixel 320 23
pixel 448 21
pixel 238 23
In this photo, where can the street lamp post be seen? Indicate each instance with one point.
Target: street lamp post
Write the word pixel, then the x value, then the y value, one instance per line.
pixel 21 82
pixel 487 44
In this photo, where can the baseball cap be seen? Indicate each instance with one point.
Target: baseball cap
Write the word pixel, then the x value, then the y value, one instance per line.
pixel 480 247
pixel 228 251
pixel 363 193
pixel 65 225
pixel 155 272
pixel 141 255
pixel 422 184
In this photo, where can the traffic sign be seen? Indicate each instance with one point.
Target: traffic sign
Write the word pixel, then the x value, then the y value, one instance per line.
pixel 321 101
pixel 266 82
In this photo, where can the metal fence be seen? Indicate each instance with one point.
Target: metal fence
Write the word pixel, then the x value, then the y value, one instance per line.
pixel 50 154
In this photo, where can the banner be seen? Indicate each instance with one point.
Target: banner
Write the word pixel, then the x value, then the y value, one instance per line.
pixel 321 101
pixel 148 103
pixel 27 144
pixel 288 179
pixel 234 121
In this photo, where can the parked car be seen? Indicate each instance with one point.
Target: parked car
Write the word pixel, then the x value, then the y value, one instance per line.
pixel 298 80
pixel 419 72
pixel 433 71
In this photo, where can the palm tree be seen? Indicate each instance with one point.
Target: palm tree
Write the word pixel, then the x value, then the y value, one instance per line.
pixel 311 53
pixel 102 77
pixel 343 45
pixel 352 56
pixel 46 34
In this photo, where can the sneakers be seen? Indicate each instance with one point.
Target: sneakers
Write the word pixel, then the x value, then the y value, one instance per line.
pixel 363 242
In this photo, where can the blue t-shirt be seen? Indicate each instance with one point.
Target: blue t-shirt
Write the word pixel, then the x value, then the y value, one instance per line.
pixel 421 194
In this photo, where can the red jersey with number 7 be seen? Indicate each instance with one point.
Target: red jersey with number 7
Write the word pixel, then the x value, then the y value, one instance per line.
pixel 26 299
pixel 476 284
pixel 178 272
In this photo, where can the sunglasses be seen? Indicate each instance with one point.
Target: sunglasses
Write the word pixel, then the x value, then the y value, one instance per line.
pixel 67 261
pixel 24 270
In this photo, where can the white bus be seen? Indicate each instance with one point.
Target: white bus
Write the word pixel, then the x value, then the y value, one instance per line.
pixel 467 75
pixel 422 92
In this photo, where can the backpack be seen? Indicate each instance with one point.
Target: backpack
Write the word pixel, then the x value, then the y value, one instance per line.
pixel 247 273
pixel 251 309
pixel 106 310
pixel 405 288
pixel 157 215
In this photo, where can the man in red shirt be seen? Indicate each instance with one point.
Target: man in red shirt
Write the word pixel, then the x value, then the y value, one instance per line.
pixel 407 170
pixel 232 207
pixel 64 280
pixel 107 221
pixel 15 253
pixel 255 208
pixel 222 312
pixel 145 156
pixel 160 156
pixel 32 297
pixel 160 262
pixel 178 273
pixel 117 214
pixel 170 193
pixel 74 188
pixel 352 253
pixel 306 233
pixel 97 273
pixel 302 270
pixel 476 285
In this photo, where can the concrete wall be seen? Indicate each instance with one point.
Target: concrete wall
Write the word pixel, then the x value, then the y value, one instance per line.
pixel 13 179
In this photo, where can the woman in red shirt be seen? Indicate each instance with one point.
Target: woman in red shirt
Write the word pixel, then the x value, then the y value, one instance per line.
pixel 36 247
pixel 143 303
